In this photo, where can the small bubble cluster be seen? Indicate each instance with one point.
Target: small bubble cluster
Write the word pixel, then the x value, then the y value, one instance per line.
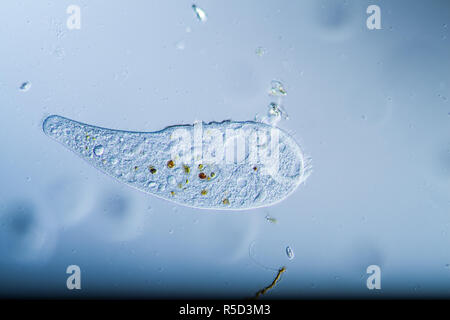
pixel 275 111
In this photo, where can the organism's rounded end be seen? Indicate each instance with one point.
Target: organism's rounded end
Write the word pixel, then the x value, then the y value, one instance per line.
pixel 50 123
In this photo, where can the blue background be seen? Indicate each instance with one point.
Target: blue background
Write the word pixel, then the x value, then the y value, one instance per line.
pixel 370 107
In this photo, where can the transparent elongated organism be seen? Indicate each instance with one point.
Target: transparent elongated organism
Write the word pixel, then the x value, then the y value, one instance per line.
pixel 218 165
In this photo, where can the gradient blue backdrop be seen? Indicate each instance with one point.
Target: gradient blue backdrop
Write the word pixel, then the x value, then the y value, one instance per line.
pixel 371 107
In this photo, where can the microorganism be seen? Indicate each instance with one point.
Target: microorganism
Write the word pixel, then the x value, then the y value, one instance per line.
pixel 230 165
pixel 290 253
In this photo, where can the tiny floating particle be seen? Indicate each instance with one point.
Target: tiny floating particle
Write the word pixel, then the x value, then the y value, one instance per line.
pixel 277 88
pixel 170 164
pixel 204 192
pixel 25 86
pixel 226 201
pixel 202 175
pixel 201 15
pixel 172 193
pixel 200 167
pixel 271 219
pixel 186 168
pixel 289 253
pixel 136 168
pixel 212 175
pixel 98 150
pixel 152 170
pixel 255 168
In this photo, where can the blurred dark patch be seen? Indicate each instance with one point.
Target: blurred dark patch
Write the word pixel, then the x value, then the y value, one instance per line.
pixel 20 217
pixel 116 206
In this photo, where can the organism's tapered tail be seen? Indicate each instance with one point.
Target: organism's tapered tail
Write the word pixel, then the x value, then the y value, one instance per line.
pixel 226 165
